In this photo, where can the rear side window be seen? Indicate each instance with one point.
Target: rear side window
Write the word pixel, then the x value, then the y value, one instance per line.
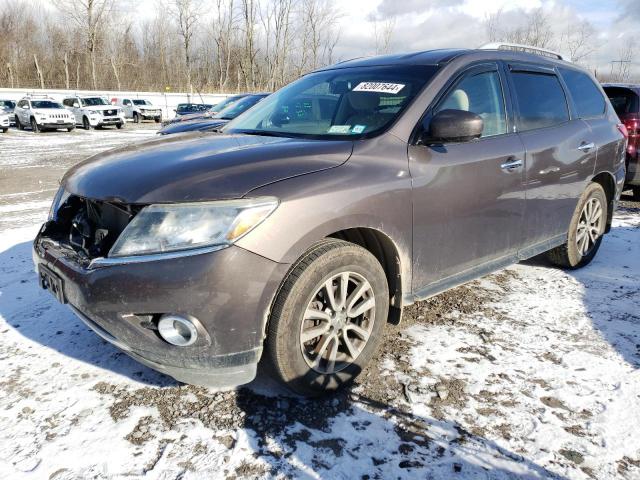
pixel 540 99
pixel 586 96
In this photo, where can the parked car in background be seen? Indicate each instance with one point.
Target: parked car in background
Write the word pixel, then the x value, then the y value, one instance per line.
pixel 138 109
pixel 41 112
pixel 317 215
pixel 190 108
pixel 216 121
pixel 92 111
pixel 204 113
pixel 625 99
pixel 4 121
pixel 7 106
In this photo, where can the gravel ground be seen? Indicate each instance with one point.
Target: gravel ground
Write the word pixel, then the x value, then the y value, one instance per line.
pixel 531 372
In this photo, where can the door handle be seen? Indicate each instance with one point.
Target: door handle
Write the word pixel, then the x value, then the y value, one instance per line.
pixel 511 164
pixel 585 147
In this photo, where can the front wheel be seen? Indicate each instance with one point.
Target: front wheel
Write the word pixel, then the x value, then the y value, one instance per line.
pixel 34 126
pixel 328 318
pixel 19 124
pixel 585 230
pixel 4 130
pixel 85 123
pixel 136 118
pixel 636 194
pixel 70 129
pixel 158 119
pixel 119 125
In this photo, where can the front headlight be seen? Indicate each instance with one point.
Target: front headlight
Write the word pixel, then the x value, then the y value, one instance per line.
pixel 168 228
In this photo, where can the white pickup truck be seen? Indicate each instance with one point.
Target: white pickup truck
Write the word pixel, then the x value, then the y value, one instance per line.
pixel 138 109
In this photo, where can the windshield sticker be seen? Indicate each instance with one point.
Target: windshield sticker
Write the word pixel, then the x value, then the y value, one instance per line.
pixel 358 128
pixel 339 128
pixel 379 87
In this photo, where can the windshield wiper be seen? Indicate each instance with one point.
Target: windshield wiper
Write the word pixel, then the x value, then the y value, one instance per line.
pixel 261 133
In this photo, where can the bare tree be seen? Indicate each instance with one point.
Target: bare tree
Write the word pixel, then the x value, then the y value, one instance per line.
pixel 578 40
pixel 89 16
pixel 187 13
pixel 621 68
pixel 383 33
pixel 535 31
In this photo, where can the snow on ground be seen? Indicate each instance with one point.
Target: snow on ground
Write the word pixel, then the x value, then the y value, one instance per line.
pixel 528 373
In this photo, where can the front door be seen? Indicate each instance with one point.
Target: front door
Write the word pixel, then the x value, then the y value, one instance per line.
pixel 468 198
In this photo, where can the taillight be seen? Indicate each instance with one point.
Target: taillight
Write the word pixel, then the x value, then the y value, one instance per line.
pixel 632 125
pixel 623 130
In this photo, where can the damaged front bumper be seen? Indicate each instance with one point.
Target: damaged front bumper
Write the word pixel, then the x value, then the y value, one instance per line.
pixel 228 291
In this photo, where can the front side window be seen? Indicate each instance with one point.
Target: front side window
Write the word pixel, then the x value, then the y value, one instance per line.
pixel 479 93
pixel 351 102
pixel 540 99
pixel 22 104
pixel 140 102
pixel 93 101
pixel 587 98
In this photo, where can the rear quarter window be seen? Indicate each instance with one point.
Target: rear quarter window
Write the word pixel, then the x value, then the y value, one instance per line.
pixel 540 99
pixel 587 98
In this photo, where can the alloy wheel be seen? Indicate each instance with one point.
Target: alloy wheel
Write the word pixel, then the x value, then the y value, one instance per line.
pixel 589 226
pixel 337 322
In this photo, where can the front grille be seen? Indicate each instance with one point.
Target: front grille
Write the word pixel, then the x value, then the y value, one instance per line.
pixel 58 115
pixel 110 113
pixel 89 227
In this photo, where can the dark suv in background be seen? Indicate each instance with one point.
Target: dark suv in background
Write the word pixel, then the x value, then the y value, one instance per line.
pixel 626 102
pixel 313 218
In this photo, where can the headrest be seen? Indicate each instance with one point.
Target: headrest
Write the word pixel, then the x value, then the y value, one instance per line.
pixel 363 101
pixel 459 100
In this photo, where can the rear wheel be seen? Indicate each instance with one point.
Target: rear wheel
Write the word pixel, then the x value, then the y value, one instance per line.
pixel 585 230
pixel 85 123
pixel 34 126
pixel 636 194
pixel 328 318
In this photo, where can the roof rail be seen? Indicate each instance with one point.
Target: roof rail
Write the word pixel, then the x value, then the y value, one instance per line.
pixel 516 47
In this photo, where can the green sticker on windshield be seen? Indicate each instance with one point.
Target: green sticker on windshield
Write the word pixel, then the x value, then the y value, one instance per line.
pixel 358 128
pixel 339 128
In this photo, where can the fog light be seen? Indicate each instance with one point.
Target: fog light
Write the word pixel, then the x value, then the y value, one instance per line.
pixel 177 330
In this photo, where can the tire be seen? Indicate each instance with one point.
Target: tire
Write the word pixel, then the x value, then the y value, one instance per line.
pixel 293 360
pixel 4 130
pixel 576 253
pixel 636 193
pixel 85 123
pixel 34 126
pixel 158 119
pixel 119 125
pixel 19 124
pixel 70 129
pixel 136 118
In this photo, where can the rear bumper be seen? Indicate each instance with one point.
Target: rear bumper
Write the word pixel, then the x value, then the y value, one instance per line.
pixel 228 291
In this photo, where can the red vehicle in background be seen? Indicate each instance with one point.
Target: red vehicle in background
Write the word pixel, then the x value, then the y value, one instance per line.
pixel 625 99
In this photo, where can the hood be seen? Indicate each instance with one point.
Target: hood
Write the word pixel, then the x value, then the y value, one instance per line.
pixel 200 166
pixel 50 111
pixel 192 116
pixel 99 108
pixel 192 126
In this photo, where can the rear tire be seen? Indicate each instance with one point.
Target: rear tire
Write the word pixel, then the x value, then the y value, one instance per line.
pixel 317 341
pixel 585 230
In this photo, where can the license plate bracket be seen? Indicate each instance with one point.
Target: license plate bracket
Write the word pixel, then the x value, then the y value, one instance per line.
pixel 52 282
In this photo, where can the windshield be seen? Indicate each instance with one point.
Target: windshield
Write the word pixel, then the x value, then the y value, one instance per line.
pixel 218 107
pixel 8 104
pixel 45 104
pixel 93 101
pixel 238 107
pixel 349 102
pixel 141 102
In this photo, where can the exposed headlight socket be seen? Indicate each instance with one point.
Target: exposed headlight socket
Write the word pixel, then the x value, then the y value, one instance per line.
pixel 177 330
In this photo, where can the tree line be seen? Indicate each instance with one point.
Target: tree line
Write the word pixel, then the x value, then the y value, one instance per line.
pixel 185 45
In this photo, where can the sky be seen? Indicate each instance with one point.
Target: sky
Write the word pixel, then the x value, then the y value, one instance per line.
pixel 426 24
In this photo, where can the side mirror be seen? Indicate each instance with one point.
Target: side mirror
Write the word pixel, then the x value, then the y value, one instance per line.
pixel 76 105
pixel 453 126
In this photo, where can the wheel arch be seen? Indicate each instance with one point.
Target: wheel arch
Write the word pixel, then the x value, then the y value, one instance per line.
pixel 386 252
pixel 607 181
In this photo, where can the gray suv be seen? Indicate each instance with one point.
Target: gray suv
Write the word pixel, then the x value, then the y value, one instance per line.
pixel 311 220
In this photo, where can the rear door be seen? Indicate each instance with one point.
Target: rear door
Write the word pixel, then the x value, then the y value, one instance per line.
pixel 560 152
pixel 468 198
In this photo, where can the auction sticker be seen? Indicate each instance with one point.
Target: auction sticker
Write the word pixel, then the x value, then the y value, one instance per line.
pixel 379 87
pixel 339 129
